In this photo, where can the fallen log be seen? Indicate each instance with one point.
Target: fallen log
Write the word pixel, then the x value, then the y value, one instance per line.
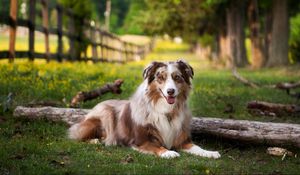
pixel 243 130
pixel 250 131
pixel 67 115
pixel 84 96
pixel 266 107
pixel 287 86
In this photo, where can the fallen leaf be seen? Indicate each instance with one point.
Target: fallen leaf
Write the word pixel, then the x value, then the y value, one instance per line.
pixel 277 151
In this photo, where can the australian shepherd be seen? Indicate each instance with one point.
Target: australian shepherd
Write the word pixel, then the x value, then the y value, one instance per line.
pixel 155 120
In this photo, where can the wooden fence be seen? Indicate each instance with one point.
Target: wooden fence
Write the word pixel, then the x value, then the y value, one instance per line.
pixel 105 46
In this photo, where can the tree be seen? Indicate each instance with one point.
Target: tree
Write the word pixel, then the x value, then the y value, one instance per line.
pixel 183 18
pixel 294 41
pixel 278 51
pixel 257 55
pixel 294 37
pixel 235 31
pixel 119 10
pixel 130 25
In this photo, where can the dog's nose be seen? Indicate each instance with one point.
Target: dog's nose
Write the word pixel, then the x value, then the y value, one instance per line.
pixel 170 91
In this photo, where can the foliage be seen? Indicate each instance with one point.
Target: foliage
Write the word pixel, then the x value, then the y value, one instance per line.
pixel 119 10
pixel 39 146
pixel 82 9
pixel 188 19
pixel 294 41
pixel 206 40
pixel 131 25
pixel 176 18
pixel 4 8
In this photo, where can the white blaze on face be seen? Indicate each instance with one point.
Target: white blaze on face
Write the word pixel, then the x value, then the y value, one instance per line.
pixel 170 84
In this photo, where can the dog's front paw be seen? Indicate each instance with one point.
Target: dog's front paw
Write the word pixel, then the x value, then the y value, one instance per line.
pixel 169 154
pixel 196 150
pixel 211 154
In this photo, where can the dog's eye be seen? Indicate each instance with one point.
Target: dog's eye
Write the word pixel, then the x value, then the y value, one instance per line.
pixel 177 77
pixel 160 77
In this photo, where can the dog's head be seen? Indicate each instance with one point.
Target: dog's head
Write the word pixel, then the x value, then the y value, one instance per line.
pixel 168 80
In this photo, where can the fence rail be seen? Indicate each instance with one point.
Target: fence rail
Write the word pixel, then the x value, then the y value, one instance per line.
pixel 105 46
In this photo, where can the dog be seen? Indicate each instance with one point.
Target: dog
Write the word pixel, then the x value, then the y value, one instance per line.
pixel 155 120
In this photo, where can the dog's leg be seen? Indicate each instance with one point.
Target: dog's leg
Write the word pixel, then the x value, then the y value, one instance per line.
pixel 86 130
pixel 151 148
pixel 196 150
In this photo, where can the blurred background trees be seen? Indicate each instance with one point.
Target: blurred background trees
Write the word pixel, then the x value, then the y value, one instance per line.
pixel 240 33
pixel 265 24
pixel 254 33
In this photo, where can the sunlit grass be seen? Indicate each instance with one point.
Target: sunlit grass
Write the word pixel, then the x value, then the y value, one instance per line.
pixel 22 42
pixel 40 146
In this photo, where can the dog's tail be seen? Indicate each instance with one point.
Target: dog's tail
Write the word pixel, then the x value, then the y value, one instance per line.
pixel 85 130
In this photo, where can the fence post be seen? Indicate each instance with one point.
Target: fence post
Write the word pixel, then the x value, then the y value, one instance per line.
pixel 94 43
pixel 12 29
pixel 131 52
pixel 101 44
pixel 120 50
pixel 125 51
pixel 72 36
pixel 59 33
pixel 46 27
pixel 104 46
pixel 31 23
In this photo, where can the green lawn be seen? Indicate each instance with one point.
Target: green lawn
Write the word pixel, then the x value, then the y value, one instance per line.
pixel 39 147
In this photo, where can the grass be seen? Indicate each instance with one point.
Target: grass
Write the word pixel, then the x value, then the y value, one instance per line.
pixel 39 147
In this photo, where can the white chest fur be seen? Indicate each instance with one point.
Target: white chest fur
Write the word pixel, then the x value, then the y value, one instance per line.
pixel 168 129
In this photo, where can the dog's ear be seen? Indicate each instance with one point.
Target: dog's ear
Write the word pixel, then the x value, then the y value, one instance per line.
pixel 149 71
pixel 186 70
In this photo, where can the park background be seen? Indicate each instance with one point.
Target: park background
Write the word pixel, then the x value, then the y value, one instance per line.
pixel 259 38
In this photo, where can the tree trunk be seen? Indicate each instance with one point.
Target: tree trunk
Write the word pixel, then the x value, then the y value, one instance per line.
pixel 235 31
pixel 224 49
pixel 278 51
pixel 267 33
pixel 243 130
pixel 256 43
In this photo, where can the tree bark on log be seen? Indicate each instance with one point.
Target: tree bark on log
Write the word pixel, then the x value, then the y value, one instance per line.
pixel 84 96
pixel 67 115
pixel 288 86
pixel 243 130
pixel 250 131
